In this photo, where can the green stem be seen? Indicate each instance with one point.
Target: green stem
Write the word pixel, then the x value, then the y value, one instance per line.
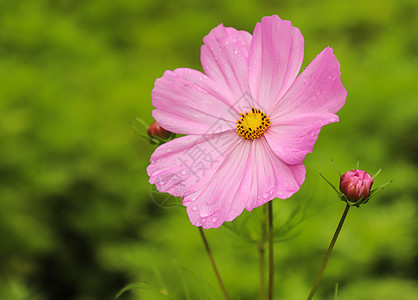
pixel 262 254
pixel 209 252
pixel 271 254
pixel 331 246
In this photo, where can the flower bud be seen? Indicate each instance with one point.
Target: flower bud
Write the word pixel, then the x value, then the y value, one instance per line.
pixel 155 130
pixel 356 185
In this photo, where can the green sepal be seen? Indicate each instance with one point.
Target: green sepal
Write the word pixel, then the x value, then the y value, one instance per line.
pixel 378 190
pixel 356 204
pixel 377 173
pixel 335 166
pixel 333 187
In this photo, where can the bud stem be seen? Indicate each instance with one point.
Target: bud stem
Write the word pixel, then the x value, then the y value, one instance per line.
pixel 331 246
pixel 212 260
pixel 261 252
pixel 271 248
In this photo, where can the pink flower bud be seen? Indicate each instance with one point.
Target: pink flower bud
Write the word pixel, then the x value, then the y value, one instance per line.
pixel 356 185
pixel 156 130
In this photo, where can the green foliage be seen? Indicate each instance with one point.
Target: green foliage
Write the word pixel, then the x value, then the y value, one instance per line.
pixel 78 219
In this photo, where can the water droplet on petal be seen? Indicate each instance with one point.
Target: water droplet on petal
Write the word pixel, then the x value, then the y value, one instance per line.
pixel 214 219
pixel 194 207
pixel 261 198
pixel 203 220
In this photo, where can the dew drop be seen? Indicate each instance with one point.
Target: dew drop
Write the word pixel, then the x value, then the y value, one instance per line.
pixel 261 198
pixel 194 207
pixel 214 219
pixel 183 172
pixel 203 220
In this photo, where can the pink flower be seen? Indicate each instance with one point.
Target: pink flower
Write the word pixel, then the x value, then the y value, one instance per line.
pixel 249 120
pixel 356 185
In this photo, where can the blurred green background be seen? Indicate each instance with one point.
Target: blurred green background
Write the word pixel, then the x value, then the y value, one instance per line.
pixel 78 219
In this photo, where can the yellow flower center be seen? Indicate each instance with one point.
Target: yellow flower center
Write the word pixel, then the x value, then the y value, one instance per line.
pixel 252 124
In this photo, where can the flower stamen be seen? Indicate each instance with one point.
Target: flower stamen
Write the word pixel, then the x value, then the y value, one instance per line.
pixel 252 124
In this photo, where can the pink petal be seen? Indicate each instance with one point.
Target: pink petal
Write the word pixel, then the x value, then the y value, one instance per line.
pixel 275 59
pixel 268 176
pixel 185 164
pixel 219 200
pixel 294 136
pixel 189 102
pixel 317 89
pixel 249 177
pixel 224 58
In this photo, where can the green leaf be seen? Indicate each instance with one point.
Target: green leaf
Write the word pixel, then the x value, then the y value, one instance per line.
pixel 145 286
pixel 336 297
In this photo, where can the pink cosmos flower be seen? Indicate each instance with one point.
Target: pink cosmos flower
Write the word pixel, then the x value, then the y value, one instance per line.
pixel 249 120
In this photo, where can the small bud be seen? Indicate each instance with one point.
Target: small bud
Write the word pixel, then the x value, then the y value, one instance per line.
pixel 356 185
pixel 155 130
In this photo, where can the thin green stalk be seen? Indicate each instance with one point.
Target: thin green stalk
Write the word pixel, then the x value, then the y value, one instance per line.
pixel 209 252
pixel 262 254
pixel 271 254
pixel 331 246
